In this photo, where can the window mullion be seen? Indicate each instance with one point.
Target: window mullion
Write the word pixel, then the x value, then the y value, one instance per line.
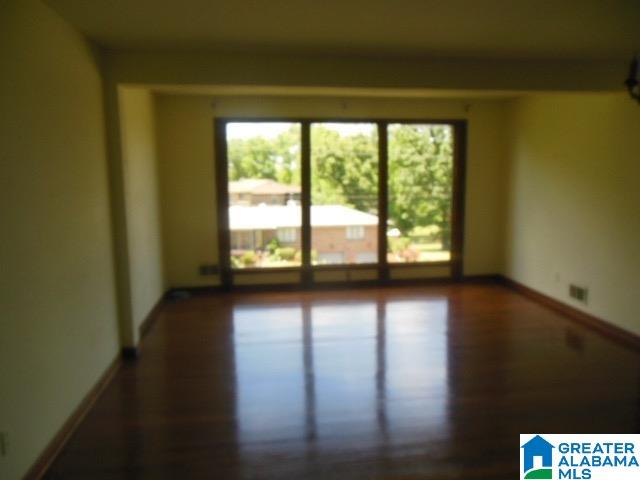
pixel 305 201
pixel 383 200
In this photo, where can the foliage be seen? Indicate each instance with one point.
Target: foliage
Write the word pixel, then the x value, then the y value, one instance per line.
pixel 398 244
pixel 249 258
pixel 344 169
pixel 273 245
pixel 286 253
pixel 403 250
pixel 270 158
pixel 235 261
pixel 420 177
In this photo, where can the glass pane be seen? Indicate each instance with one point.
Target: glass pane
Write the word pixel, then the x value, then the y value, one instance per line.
pixel 265 216
pixel 420 193
pixel 344 193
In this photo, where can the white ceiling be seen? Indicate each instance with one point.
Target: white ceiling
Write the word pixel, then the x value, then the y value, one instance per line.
pixel 526 29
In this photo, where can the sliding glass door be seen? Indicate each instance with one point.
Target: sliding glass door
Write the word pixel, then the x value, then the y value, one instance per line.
pixel 308 194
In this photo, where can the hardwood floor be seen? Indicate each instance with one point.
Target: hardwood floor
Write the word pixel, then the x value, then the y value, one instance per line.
pixel 404 383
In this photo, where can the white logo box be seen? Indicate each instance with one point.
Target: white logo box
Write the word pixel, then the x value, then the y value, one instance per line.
pixel 584 457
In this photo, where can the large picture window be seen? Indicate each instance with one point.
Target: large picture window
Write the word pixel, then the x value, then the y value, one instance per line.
pixel 303 194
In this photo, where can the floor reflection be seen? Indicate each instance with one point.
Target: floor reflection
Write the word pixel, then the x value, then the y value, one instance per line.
pixel 434 383
pixel 268 346
pixel 416 387
pixel 326 377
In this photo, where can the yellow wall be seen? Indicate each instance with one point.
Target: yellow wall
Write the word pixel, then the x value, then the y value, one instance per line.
pixel 187 182
pixel 574 211
pixel 186 156
pixel 571 189
pixel 58 329
pixel 142 207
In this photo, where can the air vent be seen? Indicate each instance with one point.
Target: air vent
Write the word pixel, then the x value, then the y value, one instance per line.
pixel 579 293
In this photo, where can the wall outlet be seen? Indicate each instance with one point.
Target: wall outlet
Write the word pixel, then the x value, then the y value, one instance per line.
pixel 208 269
pixel 581 294
pixel 4 444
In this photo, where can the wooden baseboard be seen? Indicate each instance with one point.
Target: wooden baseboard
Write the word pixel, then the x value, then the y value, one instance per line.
pixel 150 319
pixel 490 278
pixel 174 293
pixel 131 353
pixel 617 334
pixel 55 446
pixel 177 293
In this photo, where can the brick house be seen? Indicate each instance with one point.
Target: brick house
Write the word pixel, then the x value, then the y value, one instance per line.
pixel 339 234
pixel 256 191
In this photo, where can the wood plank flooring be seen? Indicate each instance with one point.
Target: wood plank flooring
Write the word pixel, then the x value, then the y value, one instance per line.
pixel 434 382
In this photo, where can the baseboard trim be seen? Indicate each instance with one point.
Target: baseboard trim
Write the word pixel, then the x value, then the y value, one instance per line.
pixel 55 446
pixel 174 293
pixel 490 278
pixel 130 354
pixel 617 334
pixel 150 320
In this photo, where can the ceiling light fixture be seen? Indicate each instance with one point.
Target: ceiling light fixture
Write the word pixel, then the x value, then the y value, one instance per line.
pixel 632 83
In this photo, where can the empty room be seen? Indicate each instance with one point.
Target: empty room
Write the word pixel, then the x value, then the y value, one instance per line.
pixel 320 240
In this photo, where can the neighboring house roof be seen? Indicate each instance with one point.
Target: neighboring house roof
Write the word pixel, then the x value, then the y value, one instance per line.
pixel 271 217
pixel 258 186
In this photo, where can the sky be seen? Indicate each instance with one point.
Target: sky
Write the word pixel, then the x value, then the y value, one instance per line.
pixel 273 129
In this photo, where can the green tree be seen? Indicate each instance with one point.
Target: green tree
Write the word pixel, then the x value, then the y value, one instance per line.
pixel 268 158
pixel 344 169
pixel 420 177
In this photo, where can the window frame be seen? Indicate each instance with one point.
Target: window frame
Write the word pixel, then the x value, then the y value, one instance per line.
pixel 455 262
